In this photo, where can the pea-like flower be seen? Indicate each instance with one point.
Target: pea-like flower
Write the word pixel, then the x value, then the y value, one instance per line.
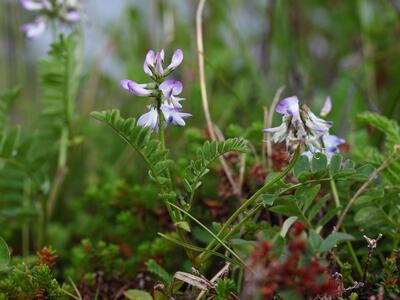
pixel 64 11
pixel 171 89
pixel 153 64
pixel 164 92
pixel 174 115
pixel 302 128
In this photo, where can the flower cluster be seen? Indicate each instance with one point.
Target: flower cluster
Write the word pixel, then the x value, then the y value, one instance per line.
pixel 302 128
pixel 165 91
pixel 65 11
pixel 297 273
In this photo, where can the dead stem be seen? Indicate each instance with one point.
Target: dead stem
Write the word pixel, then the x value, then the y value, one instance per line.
pixel 206 110
pixel 372 243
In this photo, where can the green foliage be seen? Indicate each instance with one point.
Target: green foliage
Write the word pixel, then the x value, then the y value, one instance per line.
pixel 25 282
pixel 156 269
pixel 4 254
pixel 224 288
pixel 140 139
pixel 392 133
pixel 210 151
pixel 7 97
pixel 137 295
pixel 59 82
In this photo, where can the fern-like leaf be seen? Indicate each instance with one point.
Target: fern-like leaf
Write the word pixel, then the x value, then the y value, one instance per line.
pixel 7 97
pixel 140 139
pixel 392 132
pixel 155 268
pixel 207 155
pixel 59 80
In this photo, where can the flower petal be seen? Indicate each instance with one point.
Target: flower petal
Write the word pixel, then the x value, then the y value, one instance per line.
pixel 172 87
pixel 288 106
pixel 72 16
pixel 176 60
pixel 327 107
pixel 159 62
pixel 31 5
pixel 135 88
pixel 149 119
pixel 34 29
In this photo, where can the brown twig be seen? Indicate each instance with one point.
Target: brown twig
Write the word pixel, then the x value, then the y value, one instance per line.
pixel 203 89
pixel 383 166
pixel 220 273
pixel 372 243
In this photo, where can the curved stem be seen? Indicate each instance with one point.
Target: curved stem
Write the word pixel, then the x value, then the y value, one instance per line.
pixel 250 201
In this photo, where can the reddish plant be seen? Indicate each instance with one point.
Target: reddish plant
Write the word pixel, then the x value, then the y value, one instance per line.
pixel 47 256
pixel 297 273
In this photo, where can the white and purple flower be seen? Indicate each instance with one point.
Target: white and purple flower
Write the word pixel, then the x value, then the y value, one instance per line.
pixel 153 64
pixel 66 11
pixel 164 92
pixel 173 115
pixel 301 127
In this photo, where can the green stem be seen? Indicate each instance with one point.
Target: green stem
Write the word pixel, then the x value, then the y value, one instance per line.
pixel 335 192
pixel 354 257
pixel 251 201
pixel 170 187
pixel 348 244
pixel 43 227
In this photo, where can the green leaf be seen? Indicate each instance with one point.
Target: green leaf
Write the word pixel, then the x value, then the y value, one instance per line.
pixel 314 241
pixel 209 152
pixel 155 268
pixel 334 165
pixel 184 225
pixel 306 195
pixel 333 239
pixel 137 295
pixel 286 225
pixel 59 85
pixel 140 139
pixel 318 162
pixel 369 216
pixel 331 213
pixel 391 129
pixel 7 97
pixel 317 207
pixel 4 254
pixel 302 166
pixel 210 233
pixel 269 199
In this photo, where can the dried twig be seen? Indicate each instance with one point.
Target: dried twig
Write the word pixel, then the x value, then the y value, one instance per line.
pixel 203 89
pixel 220 273
pixel 372 243
pixel 383 166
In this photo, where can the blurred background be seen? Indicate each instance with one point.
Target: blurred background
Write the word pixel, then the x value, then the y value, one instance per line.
pixel 346 49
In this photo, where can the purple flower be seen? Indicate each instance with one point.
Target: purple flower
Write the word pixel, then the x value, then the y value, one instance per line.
pixel 33 5
pixel 171 89
pixel 326 109
pixel 164 92
pixel 300 126
pixel 153 64
pixel 331 145
pixel 66 12
pixel 149 119
pixel 138 89
pixel 34 29
pixel 174 115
